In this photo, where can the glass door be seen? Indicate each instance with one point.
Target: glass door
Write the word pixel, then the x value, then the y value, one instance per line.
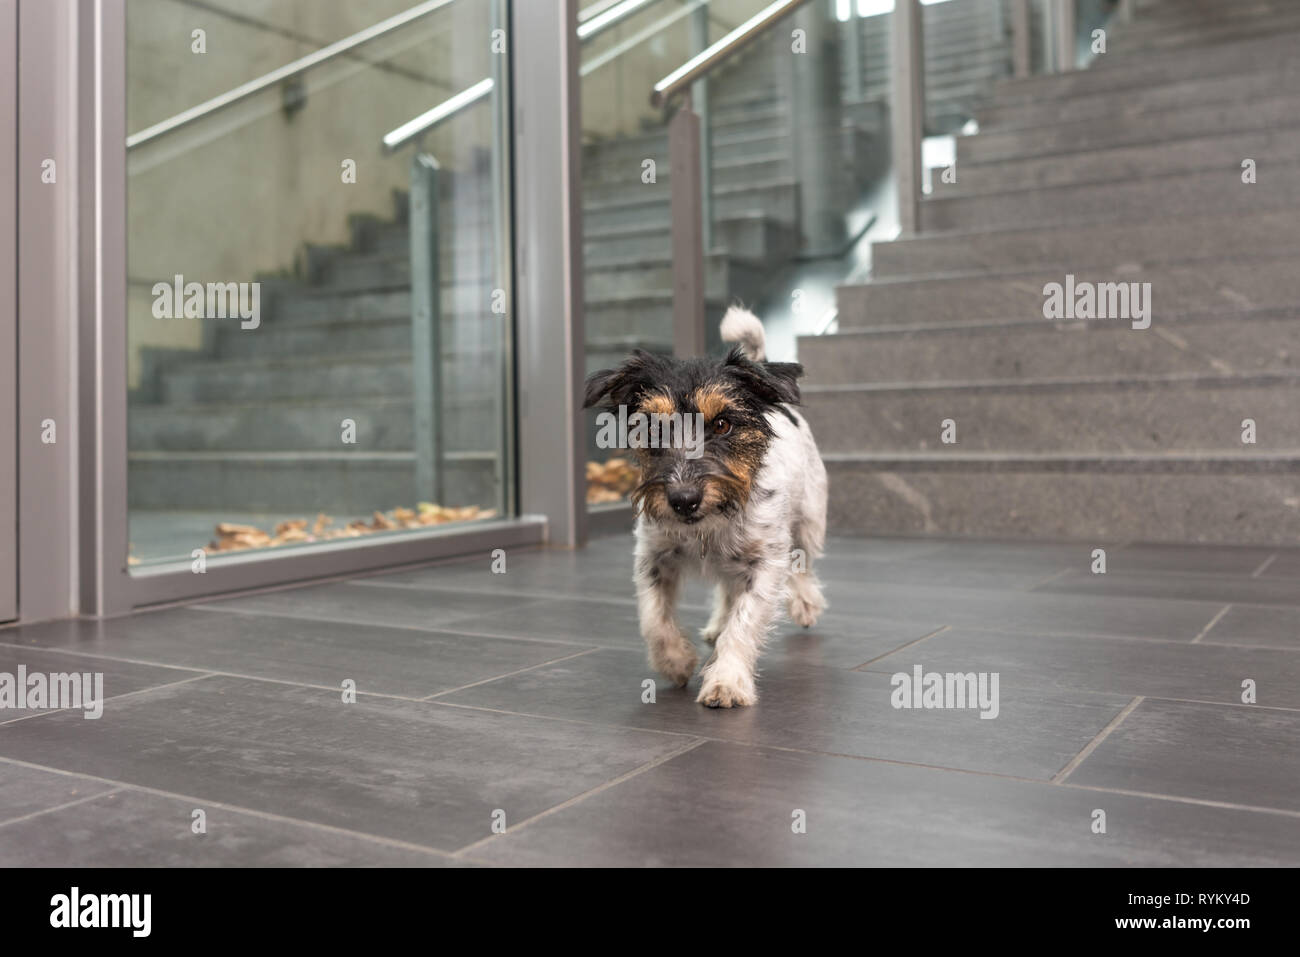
pixel 318 274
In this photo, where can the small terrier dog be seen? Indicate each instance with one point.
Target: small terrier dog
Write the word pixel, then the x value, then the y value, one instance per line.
pixel 747 509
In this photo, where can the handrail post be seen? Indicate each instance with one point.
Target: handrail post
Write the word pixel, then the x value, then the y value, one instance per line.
pixel 1066 28
pixel 852 29
pixel 700 101
pixel 1021 41
pixel 687 231
pixel 426 329
pixel 907 48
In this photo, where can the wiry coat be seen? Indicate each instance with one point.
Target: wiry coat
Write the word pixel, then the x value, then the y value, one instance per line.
pixel 749 514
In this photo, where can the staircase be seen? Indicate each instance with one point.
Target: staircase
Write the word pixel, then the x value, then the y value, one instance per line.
pixel 1089 429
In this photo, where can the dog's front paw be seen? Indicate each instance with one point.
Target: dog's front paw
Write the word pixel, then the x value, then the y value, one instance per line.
pixel 709 634
pixel 727 691
pixel 676 663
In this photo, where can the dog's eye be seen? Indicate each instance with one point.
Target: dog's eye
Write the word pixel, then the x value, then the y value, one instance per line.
pixel 721 426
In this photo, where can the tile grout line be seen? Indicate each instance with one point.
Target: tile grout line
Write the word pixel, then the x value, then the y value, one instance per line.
pixel 59 807
pixel 530 593
pixel 1264 567
pixel 1213 621
pixel 264 613
pixel 1060 776
pixel 1050 578
pixel 43 712
pixel 1181 799
pixel 563 805
pixel 510 674
pixel 234 808
pixel 915 641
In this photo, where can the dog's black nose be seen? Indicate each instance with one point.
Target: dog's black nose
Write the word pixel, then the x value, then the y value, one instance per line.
pixel 685 501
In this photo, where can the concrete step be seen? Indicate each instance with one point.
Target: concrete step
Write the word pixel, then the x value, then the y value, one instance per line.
pixel 754 237
pixel 392 270
pixel 309 304
pixel 1107 413
pixel 1195 288
pixel 1165 126
pixel 636 318
pixel 1123 73
pixel 300 483
pixel 461 335
pixel 605 180
pixel 724 276
pixel 1183 194
pixel 383 424
pixel 951 53
pixel 1251 342
pixel 1233 88
pixel 1193 497
pixel 1101 245
pixel 778 199
pixel 1277 146
pixel 224 380
pixel 1152 38
pixel 944 76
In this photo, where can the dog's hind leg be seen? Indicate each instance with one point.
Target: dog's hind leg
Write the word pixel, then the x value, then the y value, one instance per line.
pixel 658 580
pixel 806 600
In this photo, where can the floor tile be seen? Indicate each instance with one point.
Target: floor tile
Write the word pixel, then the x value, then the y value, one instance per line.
pixel 1270 626
pixel 120 677
pixel 1206 559
pixel 26 791
pixel 418 772
pixel 1031 612
pixel 1235 754
pixel 398 661
pixel 140 829
pixel 344 602
pixel 1109 665
pixel 1199 587
pixel 732 805
pixel 817 709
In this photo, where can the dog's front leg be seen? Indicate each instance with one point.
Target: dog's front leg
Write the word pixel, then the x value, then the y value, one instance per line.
pixel 658 580
pixel 728 678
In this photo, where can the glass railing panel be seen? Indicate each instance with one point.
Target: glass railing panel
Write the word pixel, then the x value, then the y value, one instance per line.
pixel 626 199
pixel 290 385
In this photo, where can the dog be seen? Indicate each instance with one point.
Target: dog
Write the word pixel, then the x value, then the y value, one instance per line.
pixel 745 507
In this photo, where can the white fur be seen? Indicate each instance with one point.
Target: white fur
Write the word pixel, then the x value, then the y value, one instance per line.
pixel 749 555
pixel 742 326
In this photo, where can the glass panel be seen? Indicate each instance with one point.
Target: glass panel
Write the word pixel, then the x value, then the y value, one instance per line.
pixel 627 251
pixel 798 152
pixel 318 326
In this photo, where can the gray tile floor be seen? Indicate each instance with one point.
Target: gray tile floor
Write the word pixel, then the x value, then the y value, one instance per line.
pixel 521 699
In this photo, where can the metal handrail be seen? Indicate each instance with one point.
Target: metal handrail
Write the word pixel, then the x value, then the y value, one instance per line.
pixel 288 71
pixel 414 128
pixel 607 16
pixel 702 64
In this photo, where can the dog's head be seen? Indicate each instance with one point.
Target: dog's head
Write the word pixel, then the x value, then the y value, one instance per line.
pixel 710 472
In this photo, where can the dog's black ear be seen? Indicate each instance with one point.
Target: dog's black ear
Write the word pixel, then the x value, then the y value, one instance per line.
pixel 614 387
pixel 771 382
pixel 786 375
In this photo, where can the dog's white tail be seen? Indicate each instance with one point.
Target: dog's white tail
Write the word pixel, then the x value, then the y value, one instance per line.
pixel 742 326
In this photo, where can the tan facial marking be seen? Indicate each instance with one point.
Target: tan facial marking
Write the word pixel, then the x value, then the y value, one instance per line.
pixel 657 404
pixel 711 401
